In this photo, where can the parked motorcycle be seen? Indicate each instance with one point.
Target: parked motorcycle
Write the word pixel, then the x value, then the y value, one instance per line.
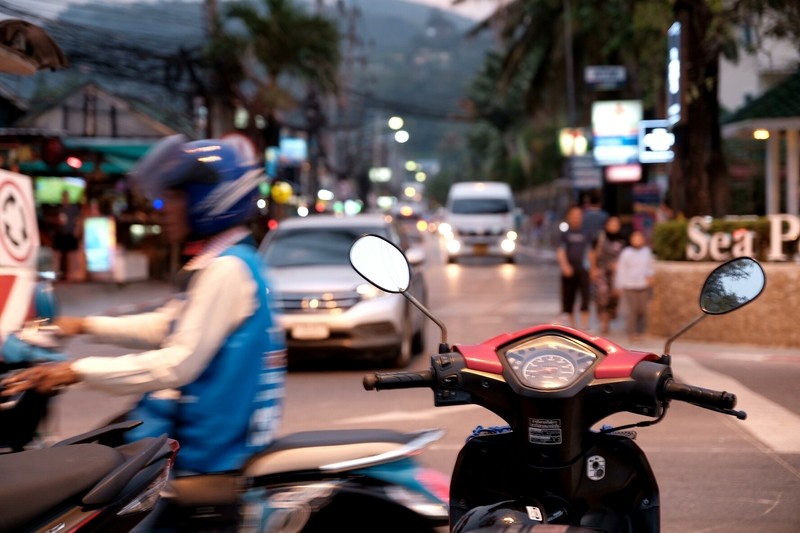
pixel 338 480
pixel 550 468
pixel 21 416
pixel 82 484
pixel 353 480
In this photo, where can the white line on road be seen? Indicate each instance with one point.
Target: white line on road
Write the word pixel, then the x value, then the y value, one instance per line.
pixel 768 422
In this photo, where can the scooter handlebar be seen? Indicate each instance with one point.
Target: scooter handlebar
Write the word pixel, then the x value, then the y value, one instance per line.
pixel 399 380
pixel 698 395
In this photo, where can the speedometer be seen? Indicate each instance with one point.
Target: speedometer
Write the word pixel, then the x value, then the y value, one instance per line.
pixel 548 371
pixel 549 362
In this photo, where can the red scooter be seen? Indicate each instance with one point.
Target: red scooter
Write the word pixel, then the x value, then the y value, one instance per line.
pixel 550 468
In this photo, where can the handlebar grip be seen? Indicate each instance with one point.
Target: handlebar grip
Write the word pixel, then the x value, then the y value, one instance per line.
pixel 399 380
pixel 689 393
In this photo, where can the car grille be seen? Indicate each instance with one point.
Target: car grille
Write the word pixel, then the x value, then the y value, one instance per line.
pixel 312 303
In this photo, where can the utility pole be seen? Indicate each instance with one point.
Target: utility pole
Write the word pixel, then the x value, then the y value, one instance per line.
pixel 213 109
pixel 569 64
pixel 314 121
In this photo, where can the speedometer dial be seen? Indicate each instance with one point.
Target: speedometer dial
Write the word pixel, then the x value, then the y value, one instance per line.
pixel 548 371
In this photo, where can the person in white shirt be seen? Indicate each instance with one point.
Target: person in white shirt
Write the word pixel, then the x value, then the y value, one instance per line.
pixel 634 281
pixel 212 370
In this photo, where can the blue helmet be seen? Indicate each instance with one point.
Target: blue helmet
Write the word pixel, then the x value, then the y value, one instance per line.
pixel 220 178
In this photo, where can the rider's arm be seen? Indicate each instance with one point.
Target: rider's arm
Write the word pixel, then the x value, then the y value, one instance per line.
pixel 219 299
pixel 142 330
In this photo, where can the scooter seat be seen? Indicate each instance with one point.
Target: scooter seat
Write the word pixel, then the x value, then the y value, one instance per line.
pixel 312 450
pixel 34 481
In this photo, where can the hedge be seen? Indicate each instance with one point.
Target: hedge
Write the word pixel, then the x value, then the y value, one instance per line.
pixel 670 238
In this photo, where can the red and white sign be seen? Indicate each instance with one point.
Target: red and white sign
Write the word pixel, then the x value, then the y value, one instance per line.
pixel 19 249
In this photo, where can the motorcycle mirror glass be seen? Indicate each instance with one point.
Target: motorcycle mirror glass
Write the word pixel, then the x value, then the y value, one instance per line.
pixel 381 263
pixel 732 285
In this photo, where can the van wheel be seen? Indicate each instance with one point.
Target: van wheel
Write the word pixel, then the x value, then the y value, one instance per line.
pixel 511 259
pixel 451 260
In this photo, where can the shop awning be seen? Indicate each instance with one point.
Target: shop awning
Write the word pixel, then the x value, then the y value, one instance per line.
pixel 775 110
pixel 118 156
pixel 119 148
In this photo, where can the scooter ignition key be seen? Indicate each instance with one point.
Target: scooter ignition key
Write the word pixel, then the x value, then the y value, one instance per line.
pixel 596 468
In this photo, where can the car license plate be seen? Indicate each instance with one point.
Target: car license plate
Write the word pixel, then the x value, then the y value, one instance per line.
pixel 310 331
pixel 480 249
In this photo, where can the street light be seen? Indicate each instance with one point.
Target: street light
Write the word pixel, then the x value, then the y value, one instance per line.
pixel 401 136
pixel 396 123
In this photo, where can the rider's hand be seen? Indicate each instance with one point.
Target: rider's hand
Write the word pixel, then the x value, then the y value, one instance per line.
pixel 69 325
pixel 46 378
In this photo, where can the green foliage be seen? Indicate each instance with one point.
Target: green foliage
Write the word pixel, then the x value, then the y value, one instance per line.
pixel 287 40
pixel 670 238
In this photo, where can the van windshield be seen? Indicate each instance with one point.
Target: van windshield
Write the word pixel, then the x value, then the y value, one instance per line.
pixel 474 206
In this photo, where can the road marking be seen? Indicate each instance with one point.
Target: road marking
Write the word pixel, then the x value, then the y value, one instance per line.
pixel 768 422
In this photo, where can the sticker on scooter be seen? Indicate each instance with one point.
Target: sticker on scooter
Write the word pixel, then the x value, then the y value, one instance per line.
pixel 544 431
pixel 534 513
pixel 596 468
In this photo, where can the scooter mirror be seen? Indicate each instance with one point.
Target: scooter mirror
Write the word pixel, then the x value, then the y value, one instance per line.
pixel 381 263
pixel 732 285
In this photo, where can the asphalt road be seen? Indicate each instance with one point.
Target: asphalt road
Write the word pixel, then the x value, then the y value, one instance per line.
pixel 715 473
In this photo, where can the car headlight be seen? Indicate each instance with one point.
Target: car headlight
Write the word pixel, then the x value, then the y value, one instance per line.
pixel 368 292
pixel 508 246
pixel 453 246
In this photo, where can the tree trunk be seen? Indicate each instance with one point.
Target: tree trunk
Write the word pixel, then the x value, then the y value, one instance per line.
pixel 698 178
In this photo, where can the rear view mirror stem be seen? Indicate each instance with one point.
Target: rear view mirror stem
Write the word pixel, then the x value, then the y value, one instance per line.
pixel 443 346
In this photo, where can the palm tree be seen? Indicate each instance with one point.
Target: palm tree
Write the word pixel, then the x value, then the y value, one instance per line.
pixel 275 44
pixel 633 33
pixel 523 95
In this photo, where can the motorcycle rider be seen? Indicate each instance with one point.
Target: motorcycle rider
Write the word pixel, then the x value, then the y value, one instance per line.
pixel 214 378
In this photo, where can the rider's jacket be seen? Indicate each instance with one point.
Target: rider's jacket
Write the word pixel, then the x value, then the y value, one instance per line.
pixel 232 410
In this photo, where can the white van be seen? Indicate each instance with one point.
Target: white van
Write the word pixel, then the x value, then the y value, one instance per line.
pixel 480 220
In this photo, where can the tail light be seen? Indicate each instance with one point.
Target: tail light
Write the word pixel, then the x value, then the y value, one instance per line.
pixel 148 498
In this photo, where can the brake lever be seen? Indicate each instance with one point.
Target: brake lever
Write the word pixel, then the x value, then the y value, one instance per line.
pixel 741 415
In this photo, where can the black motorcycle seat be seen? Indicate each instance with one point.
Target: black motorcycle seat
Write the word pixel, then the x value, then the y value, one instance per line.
pixel 309 450
pixel 34 481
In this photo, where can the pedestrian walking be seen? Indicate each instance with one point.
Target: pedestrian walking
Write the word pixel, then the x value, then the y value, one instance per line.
pixel 605 253
pixel 573 260
pixel 594 216
pixel 634 280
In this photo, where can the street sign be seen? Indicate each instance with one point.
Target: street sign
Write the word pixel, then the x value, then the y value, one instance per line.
pixel 674 74
pixel 584 173
pixel 605 77
pixel 615 131
pixel 655 142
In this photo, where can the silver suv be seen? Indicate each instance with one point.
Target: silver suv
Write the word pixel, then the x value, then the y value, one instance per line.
pixel 325 307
